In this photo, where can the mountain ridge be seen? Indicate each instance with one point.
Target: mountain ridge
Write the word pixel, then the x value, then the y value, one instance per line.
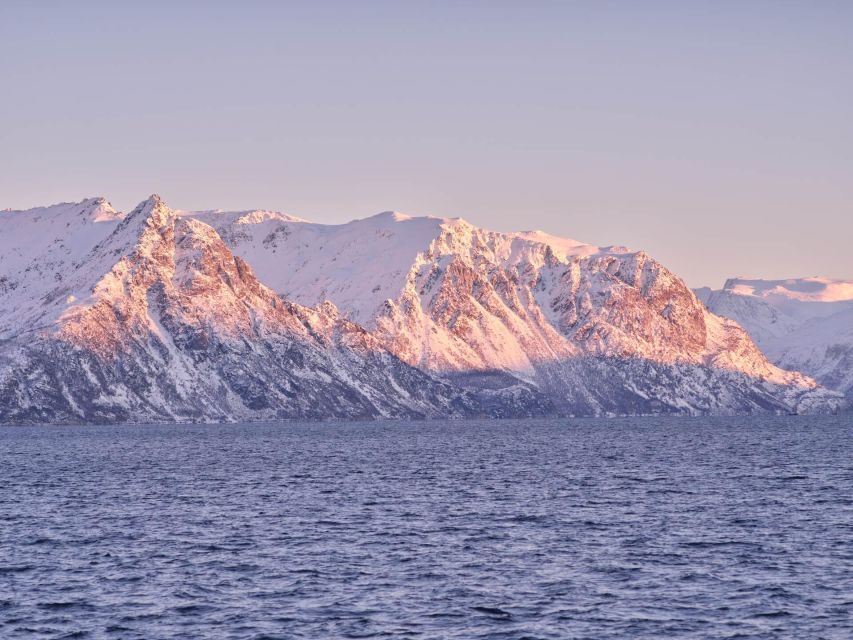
pixel 179 329
pixel 401 297
pixel 801 323
pixel 163 314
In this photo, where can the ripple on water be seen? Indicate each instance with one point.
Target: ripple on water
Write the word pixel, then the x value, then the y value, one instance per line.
pixel 622 528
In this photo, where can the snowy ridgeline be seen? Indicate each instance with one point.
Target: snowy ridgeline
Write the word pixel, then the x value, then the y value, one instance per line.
pixel 170 315
pixel 804 324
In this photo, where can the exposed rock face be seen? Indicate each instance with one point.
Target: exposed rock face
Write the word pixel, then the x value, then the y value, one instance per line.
pixel 179 328
pixel 158 315
pixel 595 330
pixel 802 323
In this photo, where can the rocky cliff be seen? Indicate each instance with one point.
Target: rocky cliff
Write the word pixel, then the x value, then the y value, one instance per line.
pixel 594 329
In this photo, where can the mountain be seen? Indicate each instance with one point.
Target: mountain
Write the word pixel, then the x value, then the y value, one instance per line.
pixel 149 317
pixel 164 315
pixel 595 329
pixel 803 323
pixel 41 252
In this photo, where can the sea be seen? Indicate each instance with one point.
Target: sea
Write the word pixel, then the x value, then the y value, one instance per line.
pixel 729 527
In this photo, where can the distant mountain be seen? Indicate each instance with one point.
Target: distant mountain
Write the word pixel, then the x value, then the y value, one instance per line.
pixel 163 315
pixel 803 323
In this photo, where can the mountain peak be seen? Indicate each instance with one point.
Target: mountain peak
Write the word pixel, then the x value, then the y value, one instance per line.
pixel 98 209
pixel 94 200
pixel 149 204
pixel 393 216
pixel 153 210
pixel 168 310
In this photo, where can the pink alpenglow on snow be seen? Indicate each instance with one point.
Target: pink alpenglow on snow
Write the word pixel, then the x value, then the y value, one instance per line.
pixel 163 314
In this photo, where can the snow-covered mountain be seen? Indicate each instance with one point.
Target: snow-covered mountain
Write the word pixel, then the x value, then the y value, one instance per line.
pixel 803 323
pixel 43 253
pixel 596 329
pixel 150 317
pixel 162 315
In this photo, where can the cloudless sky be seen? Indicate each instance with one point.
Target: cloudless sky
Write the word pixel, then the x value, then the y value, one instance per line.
pixel 718 136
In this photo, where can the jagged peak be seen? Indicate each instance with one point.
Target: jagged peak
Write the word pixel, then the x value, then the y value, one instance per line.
pixel 95 209
pixel 100 209
pixel 154 211
pixel 95 201
pixel 148 204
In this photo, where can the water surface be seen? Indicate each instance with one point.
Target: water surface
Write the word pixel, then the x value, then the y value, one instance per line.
pixel 622 528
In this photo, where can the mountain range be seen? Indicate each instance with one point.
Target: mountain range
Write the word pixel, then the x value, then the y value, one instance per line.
pixel 168 315
pixel 804 324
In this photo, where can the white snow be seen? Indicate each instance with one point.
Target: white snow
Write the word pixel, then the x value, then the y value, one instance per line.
pixel 387 272
pixel 800 323
pixel 361 264
pixel 40 250
pixel 816 289
pixel 440 293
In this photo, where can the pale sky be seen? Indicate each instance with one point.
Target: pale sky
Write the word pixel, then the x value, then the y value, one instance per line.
pixel 717 136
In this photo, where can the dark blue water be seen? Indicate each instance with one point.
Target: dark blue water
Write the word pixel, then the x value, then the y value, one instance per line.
pixel 624 528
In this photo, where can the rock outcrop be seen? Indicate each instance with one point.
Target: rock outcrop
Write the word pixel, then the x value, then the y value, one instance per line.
pixel 594 329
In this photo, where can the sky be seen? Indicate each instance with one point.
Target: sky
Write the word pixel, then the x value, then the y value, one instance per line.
pixel 717 136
